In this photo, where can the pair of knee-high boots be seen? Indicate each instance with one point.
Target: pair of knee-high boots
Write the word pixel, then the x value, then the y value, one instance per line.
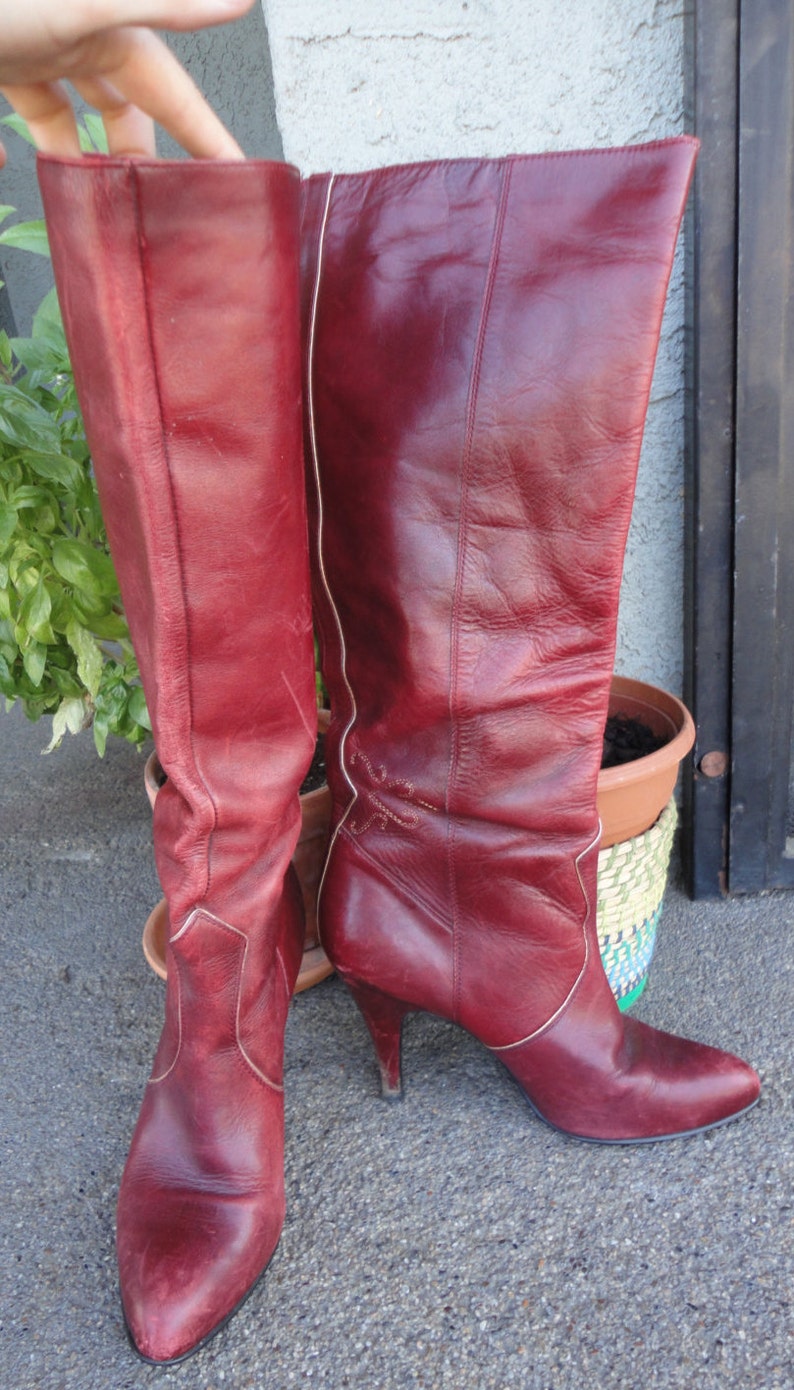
pixel 461 354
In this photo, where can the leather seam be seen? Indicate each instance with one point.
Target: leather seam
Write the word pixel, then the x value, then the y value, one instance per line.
pixel 315 457
pixel 190 922
pixel 462 554
pixel 544 1027
pixel 177 985
pixel 174 510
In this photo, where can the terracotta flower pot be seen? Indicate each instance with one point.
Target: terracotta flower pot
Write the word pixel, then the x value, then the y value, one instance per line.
pixel 308 861
pixel 632 797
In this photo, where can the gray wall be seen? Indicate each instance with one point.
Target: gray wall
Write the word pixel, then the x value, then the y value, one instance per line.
pixel 231 65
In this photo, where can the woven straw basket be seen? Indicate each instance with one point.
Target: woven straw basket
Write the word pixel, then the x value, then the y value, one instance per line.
pixel 632 876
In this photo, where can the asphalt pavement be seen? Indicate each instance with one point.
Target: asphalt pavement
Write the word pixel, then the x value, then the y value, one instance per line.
pixel 449 1240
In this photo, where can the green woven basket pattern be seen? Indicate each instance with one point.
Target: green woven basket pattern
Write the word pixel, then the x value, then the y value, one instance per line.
pixel 632 876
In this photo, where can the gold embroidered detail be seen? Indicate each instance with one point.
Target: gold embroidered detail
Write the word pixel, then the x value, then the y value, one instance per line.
pixel 375 811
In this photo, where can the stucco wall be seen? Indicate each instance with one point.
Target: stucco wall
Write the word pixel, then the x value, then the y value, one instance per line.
pixel 363 83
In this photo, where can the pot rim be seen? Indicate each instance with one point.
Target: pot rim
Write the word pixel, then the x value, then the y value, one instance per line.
pixel 653 697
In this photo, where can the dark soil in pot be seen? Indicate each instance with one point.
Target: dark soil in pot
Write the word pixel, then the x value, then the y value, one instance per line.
pixel 626 739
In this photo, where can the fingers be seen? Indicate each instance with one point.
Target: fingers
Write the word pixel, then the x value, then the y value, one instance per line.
pixel 133 80
pixel 129 130
pixel 48 111
pixel 148 75
pixel 161 14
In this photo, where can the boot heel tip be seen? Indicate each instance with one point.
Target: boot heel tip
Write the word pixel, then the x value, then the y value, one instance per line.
pixel 391 1090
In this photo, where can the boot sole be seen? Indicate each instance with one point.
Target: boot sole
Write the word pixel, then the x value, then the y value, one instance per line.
pixel 645 1139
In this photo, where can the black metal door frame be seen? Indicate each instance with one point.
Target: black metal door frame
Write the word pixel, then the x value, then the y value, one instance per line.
pixel 740 583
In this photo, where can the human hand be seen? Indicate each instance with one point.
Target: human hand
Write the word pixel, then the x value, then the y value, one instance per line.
pixel 110 55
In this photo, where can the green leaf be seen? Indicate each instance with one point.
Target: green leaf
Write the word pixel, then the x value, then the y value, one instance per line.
pixel 46 520
pixel 90 609
pixel 89 656
pixel 44 362
pixel 77 712
pixel 55 468
pixel 84 566
pixel 24 423
pixel 70 717
pixel 138 708
pixel 20 127
pixel 23 569
pixel 27 236
pixel 6 355
pixel 47 320
pixel 7 684
pixel 100 731
pixel 8 523
pixel 34 660
pixel 65 682
pixel 34 613
pixel 29 495
pixel 93 138
pixel 109 627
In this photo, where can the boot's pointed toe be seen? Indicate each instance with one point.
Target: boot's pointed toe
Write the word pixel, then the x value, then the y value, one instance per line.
pixel 186 1264
pixel 596 1074
pixel 637 1085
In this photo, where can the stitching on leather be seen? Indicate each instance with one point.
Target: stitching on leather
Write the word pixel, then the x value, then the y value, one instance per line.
pixel 135 187
pixel 266 1080
pixel 310 411
pixel 189 923
pixel 544 1027
pixel 283 969
pixel 382 814
pixel 462 553
pixel 177 985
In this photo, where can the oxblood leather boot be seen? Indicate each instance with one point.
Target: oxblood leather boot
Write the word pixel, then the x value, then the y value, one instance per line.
pixel 480 338
pixel 179 289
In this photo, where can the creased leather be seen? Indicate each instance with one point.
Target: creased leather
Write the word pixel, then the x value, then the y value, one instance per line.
pixel 479 339
pixel 179 289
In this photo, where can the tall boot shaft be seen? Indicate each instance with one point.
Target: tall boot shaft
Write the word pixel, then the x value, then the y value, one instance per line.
pixel 179 291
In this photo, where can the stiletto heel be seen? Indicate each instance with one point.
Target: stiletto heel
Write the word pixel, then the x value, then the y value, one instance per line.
pixel 384 1019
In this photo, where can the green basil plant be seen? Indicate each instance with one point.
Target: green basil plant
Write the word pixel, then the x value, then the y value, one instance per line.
pixel 65 649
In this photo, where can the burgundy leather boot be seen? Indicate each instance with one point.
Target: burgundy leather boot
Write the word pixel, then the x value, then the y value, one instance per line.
pixel 179 289
pixel 480 338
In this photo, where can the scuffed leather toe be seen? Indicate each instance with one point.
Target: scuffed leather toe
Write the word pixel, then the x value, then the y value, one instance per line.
pixel 185 1266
